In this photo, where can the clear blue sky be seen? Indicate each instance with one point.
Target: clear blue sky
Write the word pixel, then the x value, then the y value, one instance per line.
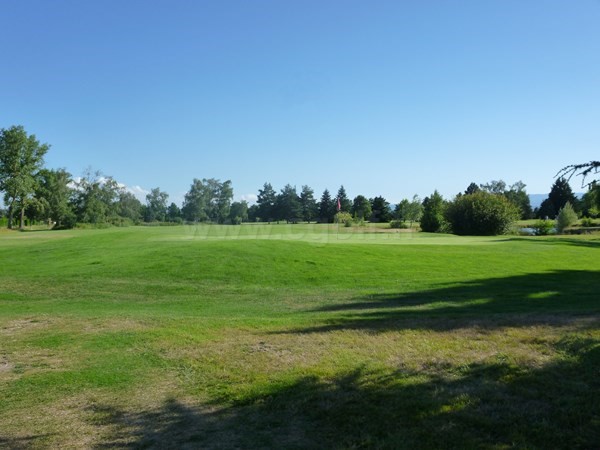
pixel 388 98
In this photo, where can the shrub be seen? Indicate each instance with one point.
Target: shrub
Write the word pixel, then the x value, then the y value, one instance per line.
pixel 587 222
pixel 481 214
pixel 543 227
pixel 345 218
pixel 566 217
pixel 399 224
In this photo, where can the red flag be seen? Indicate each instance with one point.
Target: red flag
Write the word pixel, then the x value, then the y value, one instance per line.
pixel 339 205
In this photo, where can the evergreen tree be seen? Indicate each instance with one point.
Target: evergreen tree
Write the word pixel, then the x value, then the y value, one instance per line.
pixel 327 207
pixel 266 202
pixel 380 210
pixel 288 205
pixel 344 201
pixel 308 204
pixel 559 195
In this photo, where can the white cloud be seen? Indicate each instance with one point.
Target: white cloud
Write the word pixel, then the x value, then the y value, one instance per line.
pixel 139 192
pixel 250 198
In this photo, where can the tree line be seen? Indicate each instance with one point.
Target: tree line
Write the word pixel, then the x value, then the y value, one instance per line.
pixel 35 193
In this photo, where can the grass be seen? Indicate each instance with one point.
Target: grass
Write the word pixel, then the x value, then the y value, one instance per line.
pixel 297 336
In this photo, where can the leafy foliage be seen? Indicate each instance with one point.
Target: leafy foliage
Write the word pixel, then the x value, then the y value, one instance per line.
pixel 566 217
pixel 21 159
pixel 208 200
pixel 156 206
pixel 433 220
pixel 95 198
pixel 543 227
pixel 481 213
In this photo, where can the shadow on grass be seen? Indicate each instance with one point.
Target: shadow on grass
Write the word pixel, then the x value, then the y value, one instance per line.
pixel 591 241
pixel 18 443
pixel 494 405
pixel 545 298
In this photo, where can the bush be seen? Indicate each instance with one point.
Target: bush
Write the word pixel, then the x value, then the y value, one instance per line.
pixel 345 218
pixel 399 224
pixel 587 222
pixel 543 227
pixel 566 217
pixel 481 214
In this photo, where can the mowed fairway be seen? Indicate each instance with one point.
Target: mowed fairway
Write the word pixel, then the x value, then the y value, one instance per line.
pixel 297 336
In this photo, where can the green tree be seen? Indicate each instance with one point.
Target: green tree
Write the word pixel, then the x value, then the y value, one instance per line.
pixel 494 187
pixel 361 207
pixel 380 210
pixel 344 202
pixel 54 189
pixel 481 213
pixel 327 207
pixel 173 213
pixel 518 196
pixel 238 212
pixel 409 211
pixel 414 211
pixel 433 213
pixel 21 159
pixel 195 202
pixel 559 195
pixel 253 213
pixel 129 206
pixel 208 199
pixel 308 204
pixel 472 188
pixel 590 202
pixel 156 206
pixel 95 198
pixel 566 217
pixel 287 205
pixel 266 202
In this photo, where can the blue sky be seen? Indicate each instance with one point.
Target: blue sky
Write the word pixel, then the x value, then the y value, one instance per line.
pixel 389 98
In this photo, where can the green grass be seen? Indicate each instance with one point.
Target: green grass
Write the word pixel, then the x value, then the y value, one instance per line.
pixel 297 336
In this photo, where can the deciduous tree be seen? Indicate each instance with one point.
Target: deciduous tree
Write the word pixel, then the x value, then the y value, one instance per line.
pixel 21 159
pixel 433 213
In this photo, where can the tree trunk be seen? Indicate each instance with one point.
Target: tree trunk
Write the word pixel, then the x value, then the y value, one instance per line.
pixel 10 217
pixel 22 225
